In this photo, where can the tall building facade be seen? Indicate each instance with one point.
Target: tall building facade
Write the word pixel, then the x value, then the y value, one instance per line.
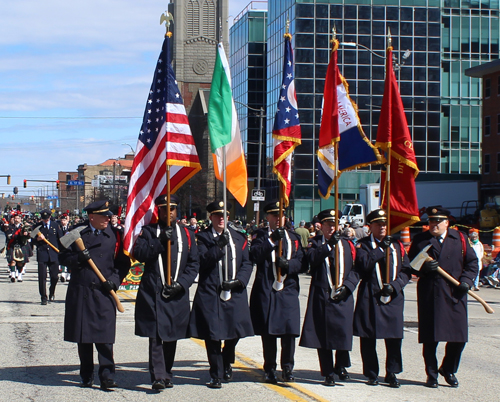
pixel 248 64
pixel 489 73
pixel 442 105
pixel 199 25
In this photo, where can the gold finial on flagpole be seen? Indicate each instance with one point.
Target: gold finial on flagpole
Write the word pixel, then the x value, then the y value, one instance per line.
pixel 334 40
pixel 389 38
pixel 167 18
pixel 334 32
pixel 287 29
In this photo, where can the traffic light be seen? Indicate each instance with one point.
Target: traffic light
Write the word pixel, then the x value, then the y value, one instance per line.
pixel 57 184
pixel 25 183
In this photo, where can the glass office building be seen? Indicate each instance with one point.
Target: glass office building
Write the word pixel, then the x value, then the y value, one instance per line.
pixel 248 63
pixel 442 105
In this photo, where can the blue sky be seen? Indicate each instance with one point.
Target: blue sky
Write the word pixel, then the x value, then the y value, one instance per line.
pixel 74 79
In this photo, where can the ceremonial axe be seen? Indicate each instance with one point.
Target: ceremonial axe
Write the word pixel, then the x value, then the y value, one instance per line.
pixel 35 233
pixel 423 256
pixel 74 237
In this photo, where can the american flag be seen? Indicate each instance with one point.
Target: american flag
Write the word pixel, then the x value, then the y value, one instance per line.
pixel 165 139
pixel 286 130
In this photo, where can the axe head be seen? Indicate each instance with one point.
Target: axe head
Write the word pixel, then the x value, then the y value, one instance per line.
pixel 69 238
pixel 34 232
pixel 419 260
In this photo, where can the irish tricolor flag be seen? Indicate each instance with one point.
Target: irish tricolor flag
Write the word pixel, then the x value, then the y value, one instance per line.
pixel 225 131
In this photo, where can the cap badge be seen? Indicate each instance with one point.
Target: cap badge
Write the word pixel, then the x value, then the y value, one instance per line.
pixel 332 212
pixel 434 210
pixel 221 204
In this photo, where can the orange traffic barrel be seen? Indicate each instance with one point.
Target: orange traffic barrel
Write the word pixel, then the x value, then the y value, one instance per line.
pixel 405 236
pixel 496 237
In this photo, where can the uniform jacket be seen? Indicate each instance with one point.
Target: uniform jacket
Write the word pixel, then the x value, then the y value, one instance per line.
pixel 14 236
pixel 275 312
pixel 211 318
pixel 372 318
pixel 45 253
pixel 441 316
pixel 90 315
pixel 328 323
pixel 154 314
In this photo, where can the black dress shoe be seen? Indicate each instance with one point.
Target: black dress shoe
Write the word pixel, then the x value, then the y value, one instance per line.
pixel 87 383
pixel 372 381
pixel 449 378
pixel 391 379
pixel 431 383
pixel 214 383
pixel 52 297
pixel 329 381
pixel 228 373
pixel 108 384
pixel 44 302
pixel 169 384
pixel 158 385
pixel 271 377
pixel 288 376
pixel 342 373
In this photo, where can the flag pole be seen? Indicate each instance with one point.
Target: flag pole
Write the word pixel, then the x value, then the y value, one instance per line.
pixel 224 179
pixel 167 18
pixel 336 221
pixel 169 222
pixel 388 175
pixel 336 178
pixel 280 223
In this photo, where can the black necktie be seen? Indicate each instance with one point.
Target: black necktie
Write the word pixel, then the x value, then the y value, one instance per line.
pixel 96 232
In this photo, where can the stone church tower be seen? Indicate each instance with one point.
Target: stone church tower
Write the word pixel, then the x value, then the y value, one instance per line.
pixel 196 33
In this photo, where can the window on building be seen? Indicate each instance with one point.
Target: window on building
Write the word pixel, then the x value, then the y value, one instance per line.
pixel 498 163
pixel 486 164
pixel 487 125
pixel 487 87
pixel 193 18
pixel 209 19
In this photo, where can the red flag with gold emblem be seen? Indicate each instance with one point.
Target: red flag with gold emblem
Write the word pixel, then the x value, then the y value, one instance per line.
pixel 393 132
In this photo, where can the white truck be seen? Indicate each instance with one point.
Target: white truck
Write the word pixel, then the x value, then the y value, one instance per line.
pixel 369 199
pixel 453 195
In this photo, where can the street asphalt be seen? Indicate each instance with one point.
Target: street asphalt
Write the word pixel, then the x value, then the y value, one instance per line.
pixel 37 365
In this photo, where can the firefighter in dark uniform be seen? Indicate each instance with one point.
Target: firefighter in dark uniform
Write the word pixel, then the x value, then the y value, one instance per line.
pixel 90 315
pixel 442 307
pixel 380 300
pixel 274 302
pixel 220 308
pixel 46 256
pixel 162 309
pixel 330 305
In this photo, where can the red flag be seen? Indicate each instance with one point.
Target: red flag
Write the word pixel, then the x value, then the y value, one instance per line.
pixel 393 132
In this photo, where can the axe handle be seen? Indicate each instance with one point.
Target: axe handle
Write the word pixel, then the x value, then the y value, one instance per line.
pixel 51 245
pixel 486 306
pixel 81 246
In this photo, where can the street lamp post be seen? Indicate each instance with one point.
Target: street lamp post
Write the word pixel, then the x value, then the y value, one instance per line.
pixel 259 167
